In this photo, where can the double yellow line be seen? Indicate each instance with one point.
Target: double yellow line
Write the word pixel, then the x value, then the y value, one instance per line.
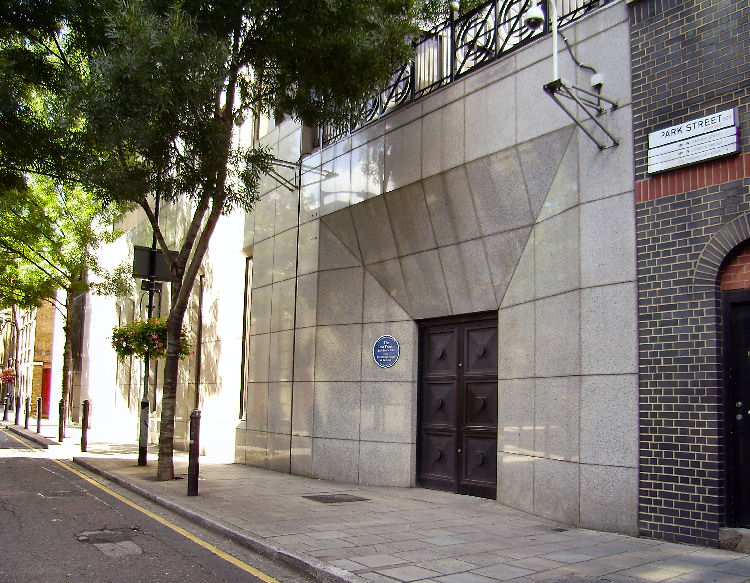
pixel 178 529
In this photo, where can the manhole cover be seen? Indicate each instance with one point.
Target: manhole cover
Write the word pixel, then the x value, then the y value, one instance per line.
pixel 558 529
pixel 335 498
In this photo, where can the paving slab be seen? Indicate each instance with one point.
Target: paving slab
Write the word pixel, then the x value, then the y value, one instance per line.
pixel 407 535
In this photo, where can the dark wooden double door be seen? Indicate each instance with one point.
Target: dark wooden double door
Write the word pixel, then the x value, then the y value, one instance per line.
pixel 737 374
pixel 457 425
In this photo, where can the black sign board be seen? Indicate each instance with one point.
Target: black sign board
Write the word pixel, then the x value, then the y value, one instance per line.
pixel 142 263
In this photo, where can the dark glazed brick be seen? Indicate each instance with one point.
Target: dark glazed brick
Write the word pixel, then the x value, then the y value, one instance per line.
pixel 689 58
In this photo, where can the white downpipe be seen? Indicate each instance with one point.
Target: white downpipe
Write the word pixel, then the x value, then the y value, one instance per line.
pixel 553 11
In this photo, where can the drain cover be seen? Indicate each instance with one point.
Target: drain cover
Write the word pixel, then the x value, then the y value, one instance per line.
pixel 104 536
pixel 335 498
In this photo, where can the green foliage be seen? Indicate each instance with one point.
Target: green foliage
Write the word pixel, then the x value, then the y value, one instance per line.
pixel 147 337
pixel 48 242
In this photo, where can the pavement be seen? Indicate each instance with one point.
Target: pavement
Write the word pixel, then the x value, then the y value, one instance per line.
pixel 358 534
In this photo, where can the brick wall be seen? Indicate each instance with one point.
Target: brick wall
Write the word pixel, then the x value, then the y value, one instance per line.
pixel 736 274
pixel 689 58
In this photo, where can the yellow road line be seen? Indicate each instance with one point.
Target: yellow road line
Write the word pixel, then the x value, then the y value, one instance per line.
pixel 206 545
pixel 19 440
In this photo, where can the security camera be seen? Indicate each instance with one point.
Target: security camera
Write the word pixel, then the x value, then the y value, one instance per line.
pixel 533 18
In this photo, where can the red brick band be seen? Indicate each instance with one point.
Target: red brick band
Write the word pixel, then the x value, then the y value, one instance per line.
pixel 693 178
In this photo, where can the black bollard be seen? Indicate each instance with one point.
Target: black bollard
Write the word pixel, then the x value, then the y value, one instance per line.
pixel 5 409
pixel 18 408
pixel 85 426
pixel 28 412
pixel 38 414
pixel 194 452
pixel 61 422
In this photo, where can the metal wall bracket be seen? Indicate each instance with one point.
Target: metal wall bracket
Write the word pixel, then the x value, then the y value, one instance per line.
pixel 591 103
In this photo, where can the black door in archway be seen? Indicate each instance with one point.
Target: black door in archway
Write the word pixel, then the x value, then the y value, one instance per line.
pixel 457 435
pixel 737 371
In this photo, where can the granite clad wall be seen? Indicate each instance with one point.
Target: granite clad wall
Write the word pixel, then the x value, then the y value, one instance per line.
pixel 469 200
pixel 690 59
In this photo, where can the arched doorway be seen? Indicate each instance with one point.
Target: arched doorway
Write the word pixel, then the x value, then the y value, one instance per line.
pixel 734 283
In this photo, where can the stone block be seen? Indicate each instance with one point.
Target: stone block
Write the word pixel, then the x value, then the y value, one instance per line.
pixel 373 230
pixel 307 259
pixel 467 277
pixel 609 498
pixel 515 481
pixel 304 354
pixel 332 253
pixel 281 356
pixel 403 154
pixel 337 353
pixel 389 275
pixel 279 453
pixel 260 316
pixel 340 296
pixel 256 409
pixel 335 459
pixel 515 421
pixel 425 283
pixel 301 458
pixel 609 420
pixel 608 241
pixel 451 207
pixel 263 262
pixel 280 408
pixel 557 351
pixel 257 358
pixel 379 305
pixel 503 255
pixel 443 139
pixel 388 411
pixel 521 286
pixel 336 411
pixel 282 305
pixel 516 346
pixel 410 221
pixel 387 464
pixel 499 192
pixel 557 404
pixel 609 329
pixel 487 129
pixel 284 255
pixel 307 300
pixel 557 254
pixel 302 408
pixel 556 490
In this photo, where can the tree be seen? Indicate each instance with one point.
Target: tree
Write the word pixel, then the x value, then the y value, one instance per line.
pixel 153 89
pixel 48 241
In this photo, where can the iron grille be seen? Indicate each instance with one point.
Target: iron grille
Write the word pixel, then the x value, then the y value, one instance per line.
pixel 453 49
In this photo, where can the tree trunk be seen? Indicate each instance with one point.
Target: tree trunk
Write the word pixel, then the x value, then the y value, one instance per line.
pixel 165 468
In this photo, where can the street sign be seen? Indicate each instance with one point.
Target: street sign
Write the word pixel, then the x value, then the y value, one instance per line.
pixel 704 138
pixel 142 263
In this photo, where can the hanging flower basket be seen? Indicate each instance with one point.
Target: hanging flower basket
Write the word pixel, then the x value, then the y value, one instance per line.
pixel 147 336
pixel 8 375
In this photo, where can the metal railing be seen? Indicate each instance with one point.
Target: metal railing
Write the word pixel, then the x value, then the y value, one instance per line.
pixel 455 48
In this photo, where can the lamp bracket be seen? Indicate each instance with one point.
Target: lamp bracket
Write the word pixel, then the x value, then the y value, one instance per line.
pixel 591 103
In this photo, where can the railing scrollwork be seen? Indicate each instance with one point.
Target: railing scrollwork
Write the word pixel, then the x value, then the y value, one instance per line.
pixel 455 48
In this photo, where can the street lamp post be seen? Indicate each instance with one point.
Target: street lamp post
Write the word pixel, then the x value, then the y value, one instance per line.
pixel 143 433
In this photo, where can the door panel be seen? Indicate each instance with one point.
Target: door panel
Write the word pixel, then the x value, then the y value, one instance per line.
pixel 737 363
pixel 458 405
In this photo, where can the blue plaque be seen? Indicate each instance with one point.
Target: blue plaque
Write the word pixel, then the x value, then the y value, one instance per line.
pixel 386 351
